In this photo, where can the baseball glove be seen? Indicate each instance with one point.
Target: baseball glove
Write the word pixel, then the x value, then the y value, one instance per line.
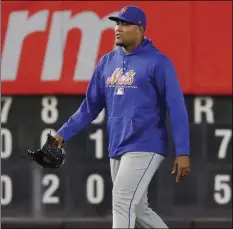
pixel 51 155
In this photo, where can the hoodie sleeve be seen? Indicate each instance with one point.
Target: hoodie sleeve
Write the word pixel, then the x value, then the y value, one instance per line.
pixel 170 89
pixel 88 110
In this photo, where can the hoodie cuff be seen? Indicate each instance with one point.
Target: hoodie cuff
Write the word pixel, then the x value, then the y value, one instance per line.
pixel 65 133
pixel 182 153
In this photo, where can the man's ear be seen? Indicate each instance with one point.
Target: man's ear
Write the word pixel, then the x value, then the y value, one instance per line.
pixel 142 30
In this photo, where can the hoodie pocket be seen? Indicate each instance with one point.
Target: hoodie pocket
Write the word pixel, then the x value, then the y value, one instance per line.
pixel 120 132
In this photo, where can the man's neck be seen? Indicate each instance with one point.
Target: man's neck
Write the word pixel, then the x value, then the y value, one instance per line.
pixel 129 48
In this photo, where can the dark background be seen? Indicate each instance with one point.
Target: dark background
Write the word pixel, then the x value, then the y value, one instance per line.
pixel 79 193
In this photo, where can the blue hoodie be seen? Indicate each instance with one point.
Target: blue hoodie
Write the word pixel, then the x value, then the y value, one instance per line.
pixel 137 90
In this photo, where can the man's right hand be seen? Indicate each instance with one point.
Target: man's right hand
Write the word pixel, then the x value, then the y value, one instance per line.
pixel 181 167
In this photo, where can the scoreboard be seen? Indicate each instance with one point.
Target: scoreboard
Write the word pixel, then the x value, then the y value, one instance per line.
pixel 83 188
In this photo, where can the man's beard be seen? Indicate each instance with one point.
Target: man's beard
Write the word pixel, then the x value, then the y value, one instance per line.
pixel 121 44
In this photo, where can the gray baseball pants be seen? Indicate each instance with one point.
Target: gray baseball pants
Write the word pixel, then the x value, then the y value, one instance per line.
pixel 131 175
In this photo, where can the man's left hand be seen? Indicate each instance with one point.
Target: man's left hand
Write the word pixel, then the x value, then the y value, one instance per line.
pixel 181 167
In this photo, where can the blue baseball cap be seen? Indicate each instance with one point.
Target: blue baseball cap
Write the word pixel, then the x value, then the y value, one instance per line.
pixel 131 14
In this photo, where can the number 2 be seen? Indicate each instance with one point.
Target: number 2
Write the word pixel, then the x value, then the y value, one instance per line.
pixel 226 137
pixel 52 181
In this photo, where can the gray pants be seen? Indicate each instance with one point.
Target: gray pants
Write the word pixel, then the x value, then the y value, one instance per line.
pixel 131 175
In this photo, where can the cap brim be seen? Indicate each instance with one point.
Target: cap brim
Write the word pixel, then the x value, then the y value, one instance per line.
pixel 112 18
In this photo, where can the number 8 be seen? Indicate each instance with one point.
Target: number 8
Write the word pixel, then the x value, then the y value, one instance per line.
pixel 49 112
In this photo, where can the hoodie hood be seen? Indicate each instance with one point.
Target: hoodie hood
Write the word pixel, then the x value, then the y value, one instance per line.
pixel 145 46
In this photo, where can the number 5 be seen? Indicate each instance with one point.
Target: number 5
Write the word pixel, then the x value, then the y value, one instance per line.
pixel 222 189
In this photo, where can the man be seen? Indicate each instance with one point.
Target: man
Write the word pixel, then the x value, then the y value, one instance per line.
pixel 137 85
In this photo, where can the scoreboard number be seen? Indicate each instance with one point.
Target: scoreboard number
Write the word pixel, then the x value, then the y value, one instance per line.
pixel 100 118
pixel 6 190
pixel 43 136
pixel 98 135
pixel 52 182
pixel 5 108
pixel 49 112
pixel 6 143
pixel 226 135
pixel 98 138
pixel 95 189
pixel 222 189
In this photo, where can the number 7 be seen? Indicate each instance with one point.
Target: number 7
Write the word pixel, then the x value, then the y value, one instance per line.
pixel 226 136
pixel 5 108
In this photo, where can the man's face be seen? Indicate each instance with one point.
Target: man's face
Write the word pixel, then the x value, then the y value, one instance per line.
pixel 126 33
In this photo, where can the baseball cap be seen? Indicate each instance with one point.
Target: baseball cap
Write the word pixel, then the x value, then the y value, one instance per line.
pixel 131 14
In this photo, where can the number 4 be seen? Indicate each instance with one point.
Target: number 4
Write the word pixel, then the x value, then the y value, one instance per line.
pixel 226 136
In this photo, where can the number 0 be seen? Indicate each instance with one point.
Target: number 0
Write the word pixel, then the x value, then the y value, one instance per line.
pixel 100 118
pixel 6 190
pixel 43 136
pixel 6 143
pixel 95 189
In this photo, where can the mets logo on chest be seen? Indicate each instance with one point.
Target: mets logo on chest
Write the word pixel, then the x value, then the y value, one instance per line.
pixel 118 78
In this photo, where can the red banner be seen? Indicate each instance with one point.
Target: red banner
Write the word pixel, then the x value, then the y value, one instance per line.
pixel 50 47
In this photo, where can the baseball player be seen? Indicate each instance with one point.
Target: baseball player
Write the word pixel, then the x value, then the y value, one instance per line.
pixel 138 86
